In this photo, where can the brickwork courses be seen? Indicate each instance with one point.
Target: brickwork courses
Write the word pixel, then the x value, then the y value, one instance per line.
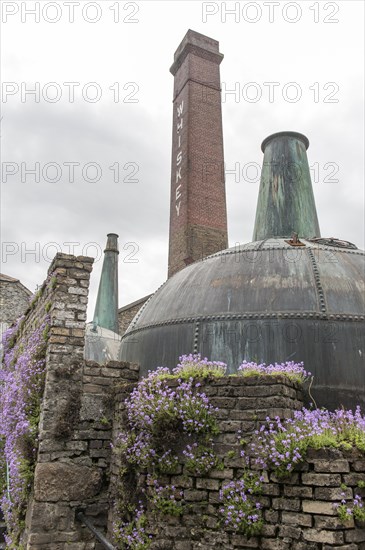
pixel 127 313
pixel 198 217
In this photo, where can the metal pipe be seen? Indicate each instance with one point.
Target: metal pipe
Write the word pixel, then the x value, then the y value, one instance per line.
pixel 83 519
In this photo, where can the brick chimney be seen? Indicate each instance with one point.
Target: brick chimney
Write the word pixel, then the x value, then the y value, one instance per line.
pixel 198 214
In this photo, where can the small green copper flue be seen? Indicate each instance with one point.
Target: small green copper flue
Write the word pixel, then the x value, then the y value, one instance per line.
pixel 106 309
pixel 286 201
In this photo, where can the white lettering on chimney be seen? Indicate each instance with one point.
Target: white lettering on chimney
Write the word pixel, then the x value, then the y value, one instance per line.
pixel 179 157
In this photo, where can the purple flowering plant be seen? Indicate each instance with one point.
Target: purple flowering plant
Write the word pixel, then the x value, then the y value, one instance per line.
pixel 165 498
pixel 240 509
pixel 156 411
pixel 22 375
pixel 281 445
pixel 193 365
pixel 294 371
pixel 347 510
pixel 161 417
pixel 133 535
pixel 200 459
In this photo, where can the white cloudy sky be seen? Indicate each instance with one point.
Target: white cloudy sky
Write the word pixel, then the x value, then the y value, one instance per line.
pixel 323 58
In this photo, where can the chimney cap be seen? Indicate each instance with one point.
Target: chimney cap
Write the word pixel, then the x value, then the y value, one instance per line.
pixel 288 133
pixel 197 44
pixel 112 243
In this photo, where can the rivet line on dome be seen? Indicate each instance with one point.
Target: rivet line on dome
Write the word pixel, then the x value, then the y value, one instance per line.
pixel 320 293
pixel 196 336
pixel 254 316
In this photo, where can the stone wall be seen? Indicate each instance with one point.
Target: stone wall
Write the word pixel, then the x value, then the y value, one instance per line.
pixel 298 513
pixel 74 460
pixel 14 300
pixel 75 426
pixel 127 313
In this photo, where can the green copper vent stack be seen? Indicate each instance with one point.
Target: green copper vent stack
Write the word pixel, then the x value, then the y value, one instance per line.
pixel 286 201
pixel 106 309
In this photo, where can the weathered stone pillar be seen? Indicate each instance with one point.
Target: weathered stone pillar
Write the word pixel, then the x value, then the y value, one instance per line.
pixel 59 478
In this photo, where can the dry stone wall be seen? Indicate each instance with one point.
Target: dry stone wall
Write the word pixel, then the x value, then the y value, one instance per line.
pixel 298 512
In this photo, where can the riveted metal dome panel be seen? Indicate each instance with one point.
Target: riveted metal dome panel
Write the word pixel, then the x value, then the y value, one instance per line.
pixel 265 301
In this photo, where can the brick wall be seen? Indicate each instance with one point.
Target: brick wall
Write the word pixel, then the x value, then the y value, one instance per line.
pixel 198 218
pixel 127 313
pixel 299 513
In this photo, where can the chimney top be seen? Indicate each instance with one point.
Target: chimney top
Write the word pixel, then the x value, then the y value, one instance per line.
pixel 112 243
pixel 197 44
pixel 287 133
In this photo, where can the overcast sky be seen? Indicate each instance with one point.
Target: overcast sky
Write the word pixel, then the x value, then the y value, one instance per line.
pixel 313 51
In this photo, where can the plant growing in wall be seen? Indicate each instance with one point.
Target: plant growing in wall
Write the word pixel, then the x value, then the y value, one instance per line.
pixel 161 422
pixel 280 445
pixel 21 383
pixel 170 429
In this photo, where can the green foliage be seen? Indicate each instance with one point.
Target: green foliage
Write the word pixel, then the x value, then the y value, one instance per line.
pixel 132 534
pixel 53 282
pixel 240 511
pixel 231 454
pixel 201 459
pixel 45 333
pixel 165 498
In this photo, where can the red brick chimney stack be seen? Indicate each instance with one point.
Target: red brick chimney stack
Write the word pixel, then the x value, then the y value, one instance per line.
pixel 198 213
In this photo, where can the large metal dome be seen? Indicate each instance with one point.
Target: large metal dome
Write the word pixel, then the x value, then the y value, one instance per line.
pixel 266 301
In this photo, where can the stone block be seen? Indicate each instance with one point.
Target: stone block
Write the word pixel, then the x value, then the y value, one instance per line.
pixel 205 483
pixel 192 495
pixel 303 520
pixel 318 507
pixel 359 465
pixel 327 522
pixel 274 544
pixel 355 535
pixel 332 493
pixel 292 505
pixel 353 479
pixel 322 536
pixel 290 531
pixel 321 480
pixel 331 466
pixel 240 541
pixel 297 491
pixel 65 482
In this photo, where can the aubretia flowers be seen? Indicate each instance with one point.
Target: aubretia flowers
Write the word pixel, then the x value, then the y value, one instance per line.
pixel 240 510
pixel 196 366
pixel 294 371
pixel 155 409
pixel 21 385
pixel 133 534
pixel 280 445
